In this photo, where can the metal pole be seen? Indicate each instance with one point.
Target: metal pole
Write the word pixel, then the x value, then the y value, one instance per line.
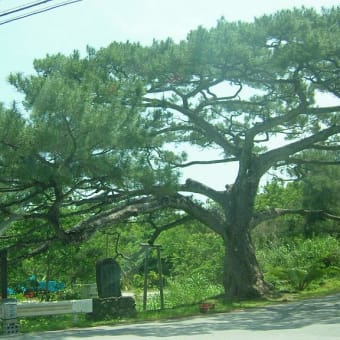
pixel 4 273
pixel 160 276
pixel 145 292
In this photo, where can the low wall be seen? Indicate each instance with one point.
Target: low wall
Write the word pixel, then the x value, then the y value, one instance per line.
pixel 112 308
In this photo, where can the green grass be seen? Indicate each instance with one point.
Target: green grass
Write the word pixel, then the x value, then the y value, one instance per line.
pixel 58 322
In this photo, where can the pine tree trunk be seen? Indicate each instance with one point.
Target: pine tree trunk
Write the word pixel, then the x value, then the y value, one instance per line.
pixel 242 277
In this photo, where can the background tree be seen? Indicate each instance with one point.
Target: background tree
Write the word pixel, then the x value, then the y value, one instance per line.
pixel 320 189
pixel 279 194
pixel 106 135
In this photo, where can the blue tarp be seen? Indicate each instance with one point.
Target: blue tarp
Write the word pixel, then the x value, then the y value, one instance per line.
pixel 10 291
pixel 52 286
pixel 35 286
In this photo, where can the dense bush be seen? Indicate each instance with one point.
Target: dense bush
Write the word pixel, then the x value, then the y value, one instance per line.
pixel 296 263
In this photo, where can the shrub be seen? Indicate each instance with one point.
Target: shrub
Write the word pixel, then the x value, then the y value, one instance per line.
pixel 299 262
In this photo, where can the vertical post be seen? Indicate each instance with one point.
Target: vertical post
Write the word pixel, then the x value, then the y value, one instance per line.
pixel 4 273
pixel 107 245
pixel 160 276
pixel 145 292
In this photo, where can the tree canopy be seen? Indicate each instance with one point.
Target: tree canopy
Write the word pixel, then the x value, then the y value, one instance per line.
pixel 103 138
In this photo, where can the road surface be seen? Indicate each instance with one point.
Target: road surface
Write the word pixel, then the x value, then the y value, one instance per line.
pixel 316 319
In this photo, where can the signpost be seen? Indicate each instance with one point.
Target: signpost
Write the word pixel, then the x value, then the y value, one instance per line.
pixel 4 273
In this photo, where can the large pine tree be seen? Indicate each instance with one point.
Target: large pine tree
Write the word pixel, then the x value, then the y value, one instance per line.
pixel 103 137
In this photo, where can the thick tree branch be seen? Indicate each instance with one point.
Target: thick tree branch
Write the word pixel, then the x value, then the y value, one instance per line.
pixel 85 229
pixel 277 212
pixel 209 218
pixel 199 188
pixel 325 147
pixel 282 154
pixel 271 123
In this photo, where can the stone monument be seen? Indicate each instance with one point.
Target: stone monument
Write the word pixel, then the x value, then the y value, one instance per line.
pixel 110 304
pixel 108 278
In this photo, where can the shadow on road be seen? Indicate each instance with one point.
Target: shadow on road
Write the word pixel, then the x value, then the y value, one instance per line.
pixel 284 316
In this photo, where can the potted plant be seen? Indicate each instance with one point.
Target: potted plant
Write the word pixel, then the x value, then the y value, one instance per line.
pixel 205 307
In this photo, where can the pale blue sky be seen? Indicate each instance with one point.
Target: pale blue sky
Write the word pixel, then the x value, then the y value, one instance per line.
pixel 99 22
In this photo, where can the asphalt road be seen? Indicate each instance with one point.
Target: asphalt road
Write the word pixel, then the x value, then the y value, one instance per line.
pixel 315 319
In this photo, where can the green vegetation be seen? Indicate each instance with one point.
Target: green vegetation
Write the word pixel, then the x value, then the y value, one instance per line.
pixel 184 291
pixel 298 263
pixel 287 264
pixel 296 266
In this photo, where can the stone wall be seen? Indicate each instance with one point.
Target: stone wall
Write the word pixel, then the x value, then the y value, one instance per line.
pixel 112 308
